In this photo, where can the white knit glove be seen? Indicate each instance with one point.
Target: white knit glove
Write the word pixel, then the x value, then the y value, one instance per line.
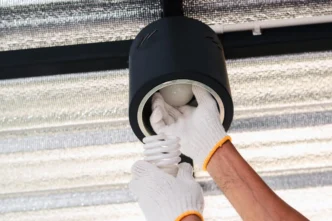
pixel 163 197
pixel 199 128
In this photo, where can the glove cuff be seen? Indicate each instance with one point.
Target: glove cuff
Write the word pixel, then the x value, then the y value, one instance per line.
pixel 192 204
pixel 213 136
pixel 214 149
pixel 188 213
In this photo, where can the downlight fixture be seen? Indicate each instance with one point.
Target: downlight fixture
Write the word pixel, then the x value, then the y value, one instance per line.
pixel 170 55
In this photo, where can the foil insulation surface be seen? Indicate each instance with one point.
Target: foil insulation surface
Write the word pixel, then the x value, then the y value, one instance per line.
pixel 242 11
pixel 46 23
pixel 66 146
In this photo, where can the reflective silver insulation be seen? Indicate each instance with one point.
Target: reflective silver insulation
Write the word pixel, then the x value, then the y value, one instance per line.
pixel 242 11
pixel 45 23
pixel 66 147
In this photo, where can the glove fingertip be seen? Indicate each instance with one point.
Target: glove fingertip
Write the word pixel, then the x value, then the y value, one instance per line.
pixel 156 116
pixel 157 95
pixel 186 167
pixel 201 94
pixel 198 90
pixel 185 171
pixel 157 100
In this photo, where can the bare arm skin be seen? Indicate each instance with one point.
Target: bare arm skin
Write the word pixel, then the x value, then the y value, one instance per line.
pixel 191 218
pixel 247 192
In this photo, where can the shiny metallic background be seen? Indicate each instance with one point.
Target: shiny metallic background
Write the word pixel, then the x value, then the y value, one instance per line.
pixel 45 23
pixel 66 147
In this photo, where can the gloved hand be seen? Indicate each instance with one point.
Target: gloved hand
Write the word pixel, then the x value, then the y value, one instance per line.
pixel 199 128
pixel 163 197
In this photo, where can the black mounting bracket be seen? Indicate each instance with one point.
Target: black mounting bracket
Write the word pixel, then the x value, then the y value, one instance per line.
pixel 171 8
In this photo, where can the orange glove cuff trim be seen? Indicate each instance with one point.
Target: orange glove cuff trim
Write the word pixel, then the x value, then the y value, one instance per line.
pixel 188 213
pixel 215 148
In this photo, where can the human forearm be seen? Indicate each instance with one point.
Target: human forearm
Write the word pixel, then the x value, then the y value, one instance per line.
pixel 246 191
pixel 191 218
pixel 201 133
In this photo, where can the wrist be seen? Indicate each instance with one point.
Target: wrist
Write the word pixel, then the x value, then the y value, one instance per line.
pixel 191 218
pixel 221 167
pixel 221 155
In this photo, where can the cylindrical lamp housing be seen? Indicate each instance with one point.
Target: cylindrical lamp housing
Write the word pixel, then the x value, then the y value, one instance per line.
pixel 175 50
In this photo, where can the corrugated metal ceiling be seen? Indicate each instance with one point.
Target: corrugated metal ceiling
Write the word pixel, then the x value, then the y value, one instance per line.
pixel 45 23
pixel 66 147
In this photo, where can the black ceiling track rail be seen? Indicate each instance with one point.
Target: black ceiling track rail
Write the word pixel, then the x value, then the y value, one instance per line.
pixel 114 55
pixel 64 59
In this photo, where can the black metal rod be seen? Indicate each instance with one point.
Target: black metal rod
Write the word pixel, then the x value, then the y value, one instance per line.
pixel 278 41
pixel 64 59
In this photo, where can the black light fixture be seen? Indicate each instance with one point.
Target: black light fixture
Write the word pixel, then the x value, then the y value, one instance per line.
pixel 170 51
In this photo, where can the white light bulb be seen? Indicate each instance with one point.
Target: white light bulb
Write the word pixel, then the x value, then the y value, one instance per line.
pixel 177 94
